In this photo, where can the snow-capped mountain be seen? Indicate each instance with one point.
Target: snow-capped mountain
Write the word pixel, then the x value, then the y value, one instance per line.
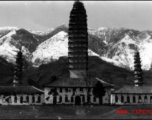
pixel 113 45
pixel 10 43
pixel 11 38
pixel 121 44
pixel 53 48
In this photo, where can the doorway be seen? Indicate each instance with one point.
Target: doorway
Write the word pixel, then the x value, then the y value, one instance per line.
pixel 77 100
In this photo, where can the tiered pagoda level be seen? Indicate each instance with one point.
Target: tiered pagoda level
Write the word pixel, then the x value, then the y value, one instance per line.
pixel 78 41
pixel 137 70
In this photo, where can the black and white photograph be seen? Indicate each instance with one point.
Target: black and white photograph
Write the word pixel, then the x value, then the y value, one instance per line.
pixel 76 59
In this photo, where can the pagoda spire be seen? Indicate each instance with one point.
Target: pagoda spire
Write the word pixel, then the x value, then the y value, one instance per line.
pixel 137 69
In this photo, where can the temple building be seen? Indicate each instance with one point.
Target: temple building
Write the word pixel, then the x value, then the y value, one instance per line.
pixel 137 94
pixel 78 88
pixel 17 93
pixel 21 95
pixel 75 92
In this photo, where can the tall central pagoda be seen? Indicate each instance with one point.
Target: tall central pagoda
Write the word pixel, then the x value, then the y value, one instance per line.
pixel 78 41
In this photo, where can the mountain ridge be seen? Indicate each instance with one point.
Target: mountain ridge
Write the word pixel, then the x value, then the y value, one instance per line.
pixel 110 51
pixel 102 42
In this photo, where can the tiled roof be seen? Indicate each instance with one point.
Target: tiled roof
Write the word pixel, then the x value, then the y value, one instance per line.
pixel 75 82
pixel 19 90
pixel 135 89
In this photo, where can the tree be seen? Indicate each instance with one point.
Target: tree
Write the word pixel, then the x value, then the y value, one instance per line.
pixel 137 69
pixel 18 68
pixel 99 91
pixel 53 78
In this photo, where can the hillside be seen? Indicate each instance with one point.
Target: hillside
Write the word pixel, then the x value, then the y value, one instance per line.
pixel 6 72
pixel 97 68
pixel 41 75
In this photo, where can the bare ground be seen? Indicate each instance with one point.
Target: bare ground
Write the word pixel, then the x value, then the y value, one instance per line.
pixel 72 112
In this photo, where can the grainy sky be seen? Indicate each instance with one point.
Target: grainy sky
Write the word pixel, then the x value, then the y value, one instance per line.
pixel 44 15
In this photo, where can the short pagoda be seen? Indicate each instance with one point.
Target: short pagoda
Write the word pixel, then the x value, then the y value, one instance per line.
pixel 137 70
pixel 17 80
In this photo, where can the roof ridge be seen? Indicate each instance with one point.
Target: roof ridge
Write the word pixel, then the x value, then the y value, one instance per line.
pixel 37 89
pixel 104 82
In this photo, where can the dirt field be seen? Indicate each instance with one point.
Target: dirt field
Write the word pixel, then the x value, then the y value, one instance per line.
pixel 73 112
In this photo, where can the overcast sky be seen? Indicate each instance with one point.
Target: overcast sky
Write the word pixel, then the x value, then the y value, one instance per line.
pixel 44 15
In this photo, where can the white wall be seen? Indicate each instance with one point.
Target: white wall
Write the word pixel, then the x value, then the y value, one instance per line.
pixel 25 102
pixel 106 98
pixel 142 101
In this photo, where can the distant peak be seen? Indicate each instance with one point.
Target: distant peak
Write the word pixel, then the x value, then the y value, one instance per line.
pixel 9 28
pixel 102 28
pixel 63 26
